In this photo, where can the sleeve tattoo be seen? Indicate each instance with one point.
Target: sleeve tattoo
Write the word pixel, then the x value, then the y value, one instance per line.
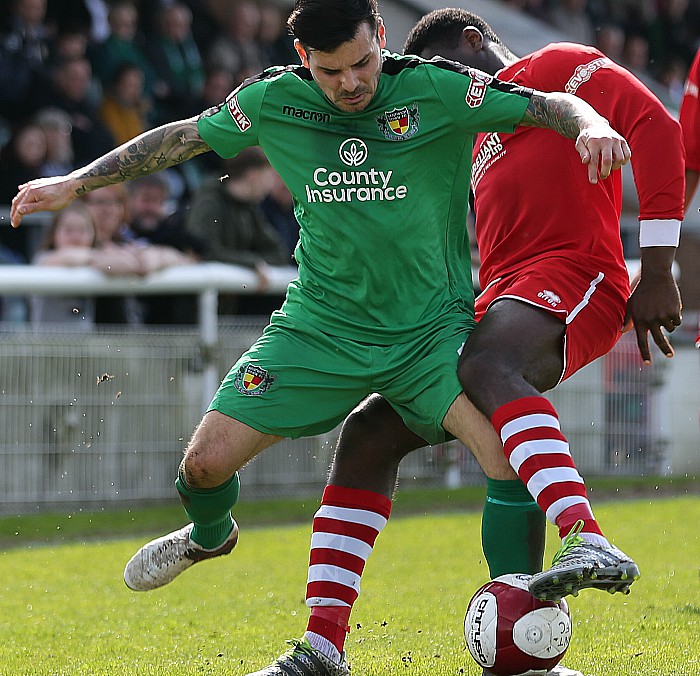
pixel 560 112
pixel 157 149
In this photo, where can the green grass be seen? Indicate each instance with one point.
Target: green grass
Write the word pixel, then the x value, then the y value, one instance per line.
pixel 65 611
pixel 70 525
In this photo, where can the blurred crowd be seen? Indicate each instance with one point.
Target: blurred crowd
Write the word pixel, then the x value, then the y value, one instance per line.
pixel 655 38
pixel 80 77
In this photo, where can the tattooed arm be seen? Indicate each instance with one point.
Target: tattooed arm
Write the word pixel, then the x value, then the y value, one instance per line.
pixel 152 151
pixel 598 144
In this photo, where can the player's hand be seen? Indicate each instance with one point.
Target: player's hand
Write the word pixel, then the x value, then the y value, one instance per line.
pixel 603 150
pixel 42 194
pixel 654 307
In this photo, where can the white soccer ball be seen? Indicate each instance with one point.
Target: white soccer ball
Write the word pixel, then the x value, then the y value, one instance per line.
pixel 512 633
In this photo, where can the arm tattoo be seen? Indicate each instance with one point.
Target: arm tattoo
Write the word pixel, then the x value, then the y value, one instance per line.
pixel 562 113
pixel 152 151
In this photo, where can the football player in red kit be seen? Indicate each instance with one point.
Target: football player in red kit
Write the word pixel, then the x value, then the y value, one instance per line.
pixel 556 296
pixel 690 123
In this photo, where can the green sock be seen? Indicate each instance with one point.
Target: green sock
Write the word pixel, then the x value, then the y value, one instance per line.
pixel 512 529
pixel 209 509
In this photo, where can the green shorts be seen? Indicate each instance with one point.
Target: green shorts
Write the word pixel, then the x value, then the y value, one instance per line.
pixel 297 381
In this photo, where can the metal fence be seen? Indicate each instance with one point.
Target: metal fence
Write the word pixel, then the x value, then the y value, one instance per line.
pixel 94 418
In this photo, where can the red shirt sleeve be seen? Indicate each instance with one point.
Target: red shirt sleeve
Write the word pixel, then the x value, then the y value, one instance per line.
pixel 654 136
pixel 690 116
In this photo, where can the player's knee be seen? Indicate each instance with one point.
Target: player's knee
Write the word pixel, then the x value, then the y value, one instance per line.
pixel 377 430
pixel 200 470
pixel 366 425
pixel 476 368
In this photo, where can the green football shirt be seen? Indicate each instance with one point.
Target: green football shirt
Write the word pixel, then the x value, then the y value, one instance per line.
pixel 381 196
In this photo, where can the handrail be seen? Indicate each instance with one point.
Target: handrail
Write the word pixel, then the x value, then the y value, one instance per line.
pixel 206 280
pixel 195 278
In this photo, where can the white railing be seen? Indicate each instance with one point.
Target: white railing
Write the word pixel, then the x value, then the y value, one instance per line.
pixel 94 417
pixel 207 280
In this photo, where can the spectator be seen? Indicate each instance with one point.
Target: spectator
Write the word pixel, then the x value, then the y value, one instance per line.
pixel 162 242
pixel 21 159
pixel 12 308
pixel 153 222
pixel 218 84
pixel 276 43
pixel 205 24
pixel 636 53
pixel 671 37
pixel 610 39
pixel 226 215
pixel 278 206
pixel 124 108
pixel 539 9
pixel 125 44
pixel 71 242
pixel 238 49
pixel 24 50
pixel 59 141
pixel 175 57
pixel 70 43
pixel 109 210
pixel 673 78
pixel 69 15
pixel 72 92
pixel 570 17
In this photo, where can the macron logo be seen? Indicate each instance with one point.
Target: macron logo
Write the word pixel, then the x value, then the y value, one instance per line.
pixel 239 117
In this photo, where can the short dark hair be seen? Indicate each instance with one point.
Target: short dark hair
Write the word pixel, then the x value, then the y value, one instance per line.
pixel 251 157
pixel 444 27
pixel 323 25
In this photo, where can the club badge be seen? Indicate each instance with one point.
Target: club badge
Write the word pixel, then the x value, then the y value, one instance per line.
pixel 399 124
pixel 251 380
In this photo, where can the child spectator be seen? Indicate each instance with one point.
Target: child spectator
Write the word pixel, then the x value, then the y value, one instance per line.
pixel 71 241
pixel 59 141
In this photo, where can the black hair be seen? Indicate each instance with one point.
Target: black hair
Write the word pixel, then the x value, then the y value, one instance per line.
pixel 323 25
pixel 444 27
pixel 249 158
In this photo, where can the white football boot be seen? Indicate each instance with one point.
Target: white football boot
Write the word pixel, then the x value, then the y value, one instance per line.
pixel 162 560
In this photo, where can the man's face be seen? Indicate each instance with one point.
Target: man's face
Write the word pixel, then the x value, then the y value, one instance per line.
pixel 349 75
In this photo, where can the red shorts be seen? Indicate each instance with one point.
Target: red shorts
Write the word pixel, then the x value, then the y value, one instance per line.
pixel 590 304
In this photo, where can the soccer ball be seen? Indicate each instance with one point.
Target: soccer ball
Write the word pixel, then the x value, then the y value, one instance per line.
pixel 509 632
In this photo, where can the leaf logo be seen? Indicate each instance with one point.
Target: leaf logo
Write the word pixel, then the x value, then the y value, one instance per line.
pixel 353 152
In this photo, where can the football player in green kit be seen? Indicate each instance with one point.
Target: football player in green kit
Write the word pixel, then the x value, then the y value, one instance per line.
pixel 376 149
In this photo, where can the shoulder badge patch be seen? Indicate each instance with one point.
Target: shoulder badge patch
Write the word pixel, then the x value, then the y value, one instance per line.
pixel 239 117
pixel 251 380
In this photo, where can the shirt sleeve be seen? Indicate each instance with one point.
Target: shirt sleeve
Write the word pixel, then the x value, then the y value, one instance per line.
pixel 654 136
pixel 233 125
pixel 690 116
pixel 478 101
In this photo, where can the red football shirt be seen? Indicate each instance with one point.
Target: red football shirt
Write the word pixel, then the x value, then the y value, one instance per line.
pixel 690 116
pixel 690 122
pixel 532 197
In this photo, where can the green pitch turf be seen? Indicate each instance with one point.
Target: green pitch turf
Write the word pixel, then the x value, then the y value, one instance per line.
pixel 64 610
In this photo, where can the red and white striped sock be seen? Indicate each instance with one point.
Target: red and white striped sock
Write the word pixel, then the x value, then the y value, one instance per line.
pixel 539 453
pixel 344 531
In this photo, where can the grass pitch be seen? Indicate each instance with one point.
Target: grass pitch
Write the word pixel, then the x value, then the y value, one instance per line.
pixel 64 609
